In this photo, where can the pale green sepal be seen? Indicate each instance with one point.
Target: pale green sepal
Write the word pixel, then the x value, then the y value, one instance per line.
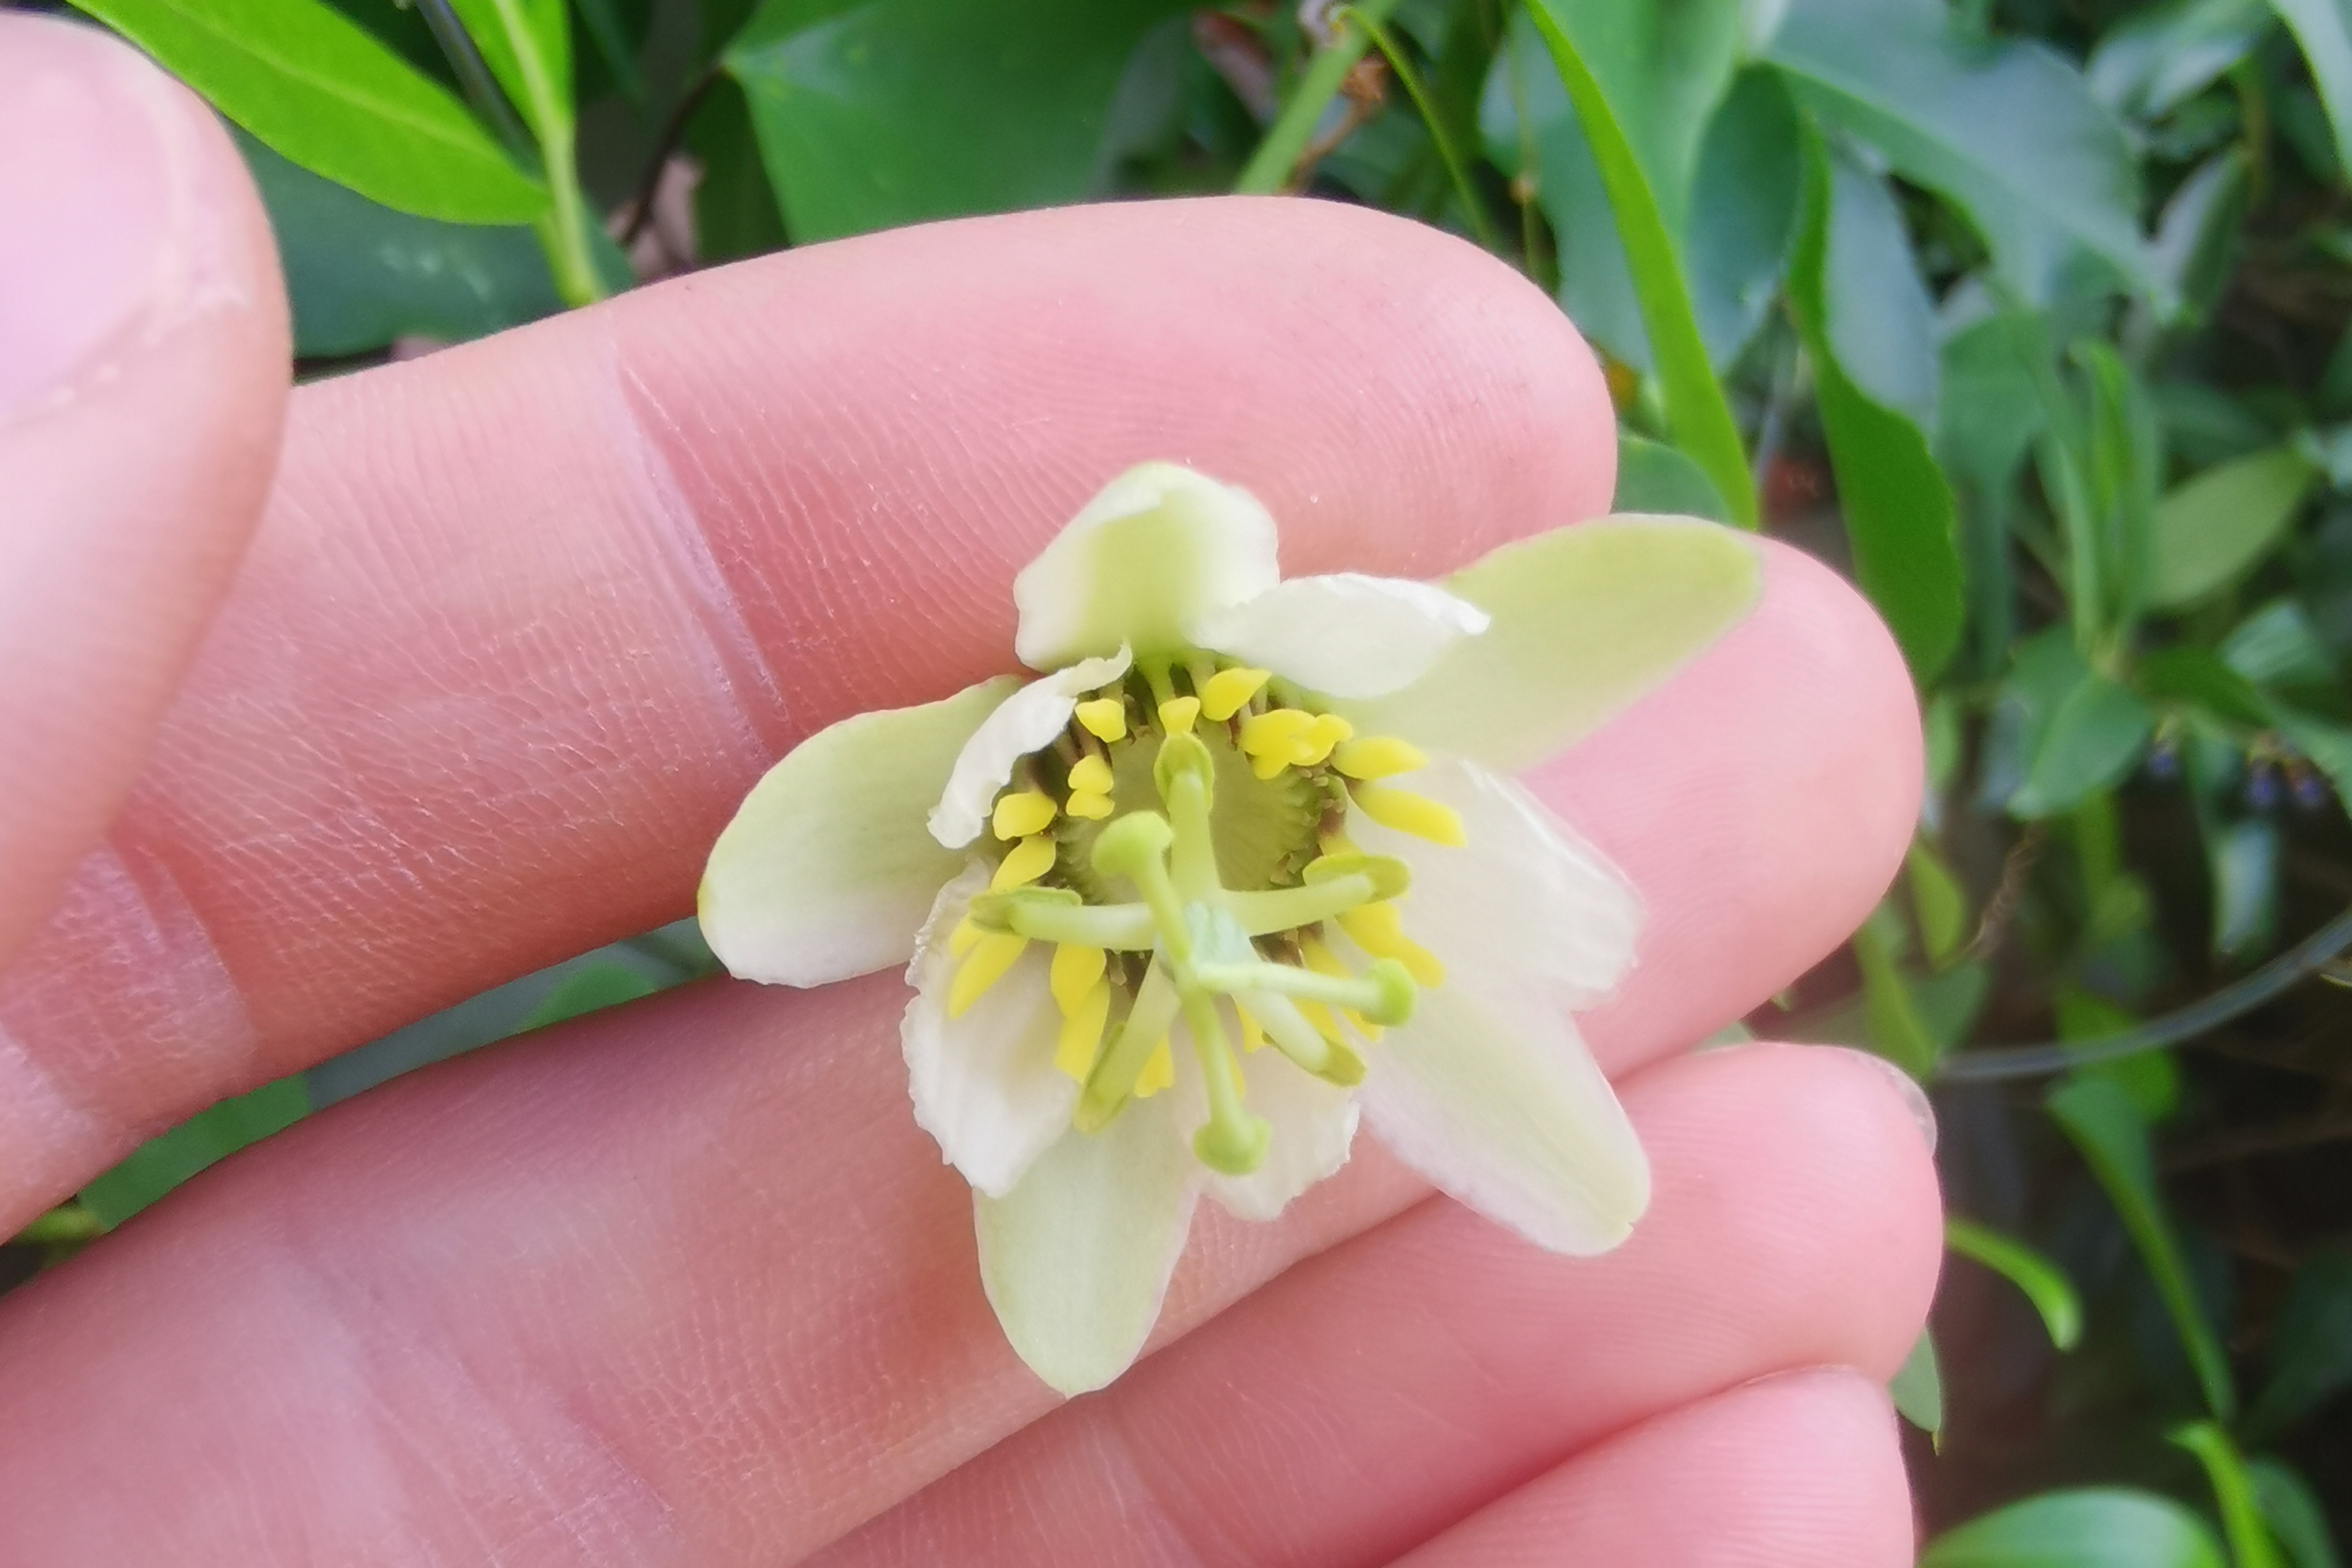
pixel 1026 721
pixel 1158 549
pixel 1077 1258
pixel 825 870
pixel 1492 1095
pixel 1586 619
pixel 1345 635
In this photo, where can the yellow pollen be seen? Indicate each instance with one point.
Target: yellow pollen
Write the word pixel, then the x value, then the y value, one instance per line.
pixel 1105 717
pixel 1328 731
pixel 1020 813
pixel 965 936
pixel 1090 775
pixel 995 953
pixel 1159 1073
pixel 1378 757
pixel 1409 813
pixel 1076 972
pixel 1176 714
pixel 1228 691
pixel 1253 1032
pixel 1030 859
pixel 1082 1030
pixel 1376 929
pixel 1093 807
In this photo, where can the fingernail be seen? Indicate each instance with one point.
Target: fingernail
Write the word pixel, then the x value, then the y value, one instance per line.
pixel 1915 1098
pixel 87 208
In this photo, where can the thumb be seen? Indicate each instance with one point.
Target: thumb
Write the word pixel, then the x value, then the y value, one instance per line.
pixel 142 384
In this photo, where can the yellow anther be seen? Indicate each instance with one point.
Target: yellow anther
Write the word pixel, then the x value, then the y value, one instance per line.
pixel 1090 775
pixel 1030 859
pixel 1105 717
pixel 1277 733
pixel 1019 812
pixel 1267 766
pixel 1228 691
pixel 1082 1031
pixel 1176 714
pixel 1328 731
pixel 965 936
pixel 1253 1032
pixel 1410 813
pixel 1378 757
pixel 991 955
pixel 1076 972
pixel 1093 807
pixel 1332 841
pixel 1159 1073
pixel 1376 929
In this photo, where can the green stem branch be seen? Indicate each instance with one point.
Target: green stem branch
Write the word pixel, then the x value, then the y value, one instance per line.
pixel 1269 168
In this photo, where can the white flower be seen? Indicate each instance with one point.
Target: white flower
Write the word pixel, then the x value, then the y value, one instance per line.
pixel 1172 925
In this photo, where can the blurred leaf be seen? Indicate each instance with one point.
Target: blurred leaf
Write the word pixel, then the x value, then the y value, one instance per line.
pixel 2233 1491
pixel 1890 1018
pixel 2310 1355
pixel 2214 527
pixel 2329 746
pixel 2276 645
pixel 2329 450
pixel 2119 452
pixel 2192 675
pixel 589 990
pixel 1939 901
pixel 1897 509
pixel 2042 1282
pixel 735 212
pixel 164 1161
pixel 1948 1005
pixel 2244 856
pixel 896 111
pixel 2204 425
pixel 2100 1527
pixel 1661 70
pixel 610 36
pixel 325 94
pixel 1654 478
pixel 1917 1389
pixel 2150 1079
pixel 1743 213
pixel 2297 1520
pixel 2325 31
pixel 1697 414
pixel 1993 408
pixel 2007 131
pixel 360 275
pixel 2078 730
pixel 527 44
pixel 2196 238
pixel 2147 65
pixel 2112 1136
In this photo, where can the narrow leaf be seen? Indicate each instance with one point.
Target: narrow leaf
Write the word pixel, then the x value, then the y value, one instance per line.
pixel 2042 1282
pixel 2325 31
pixel 2297 1520
pixel 2233 1491
pixel 1918 1390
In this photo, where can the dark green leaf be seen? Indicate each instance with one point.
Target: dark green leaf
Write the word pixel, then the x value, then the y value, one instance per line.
pixel 2008 131
pixel 1743 213
pixel 2090 739
pixel 2112 1136
pixel 2042 1282
pixel 2325 31
pixel 162 1162
pixel 2102 1527
pixel 901 111
pixel 2329 746
pixel 735 211
pixel 2194 676
pixel 2276 645
pixel 1993 408
pixel 2150 1079
pixel 326 95
pixel 1918 1390
pixel 2297 1520
pixel 2311 1343
pixel 1654 478
pixel 2217 526
pixel 1897 508
pixel 1938 902
pixel 1890 1017
pixel 2149 64
pixel 2233 1491
pixel 2197 236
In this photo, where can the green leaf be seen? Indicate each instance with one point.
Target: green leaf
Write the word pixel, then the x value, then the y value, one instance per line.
pixel 1890 1016
pixel 2147 65
pixel 2213 529
pixel 1696 414
pixel 897 111
pixel 324 93
pixel 1654 478
pixel 2329 746
pixel 2196 238
pixel 1897 508
pixel 1918 1390
pixel 360 275
pixel 2310 1354
pixel 1991 408
pixel 2042 1282
pixel 2233 1491
pixel 2244 860
pixel 2008 132
pixel 590 990
pixel 527 44
pixel 2079 730
pixel 2094 1527
pixel 2297 1520
pixel 164 1161
pixel 2192 675
pixel 2276 645
pixel 1939 901
pixel 1743 213
pixel 2325 31
pixel 2107 1129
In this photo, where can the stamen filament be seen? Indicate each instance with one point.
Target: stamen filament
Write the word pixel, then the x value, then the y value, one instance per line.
pixel 1082 1031
pixel 1131 1045
pixel 1409 813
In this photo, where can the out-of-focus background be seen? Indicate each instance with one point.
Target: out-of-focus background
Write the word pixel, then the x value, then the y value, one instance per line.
pixel 2031 313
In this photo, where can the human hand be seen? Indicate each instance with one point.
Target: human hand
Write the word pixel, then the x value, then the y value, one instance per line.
pixel 519 624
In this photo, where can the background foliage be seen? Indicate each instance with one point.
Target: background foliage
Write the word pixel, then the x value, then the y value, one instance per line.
pixel 2030 312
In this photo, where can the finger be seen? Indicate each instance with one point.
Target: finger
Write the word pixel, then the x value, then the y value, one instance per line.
pixel 1795 1223
pixel 1798 1471
pixel 142 377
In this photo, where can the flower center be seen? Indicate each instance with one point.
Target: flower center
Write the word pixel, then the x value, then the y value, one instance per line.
pixel 1183 847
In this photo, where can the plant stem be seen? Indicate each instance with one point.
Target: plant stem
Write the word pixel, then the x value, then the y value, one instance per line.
pixel 564 229
pixel 1449 155
pixel 1268 169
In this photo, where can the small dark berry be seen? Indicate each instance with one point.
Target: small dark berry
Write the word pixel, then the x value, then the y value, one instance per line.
pixel 2263 788
pixel 2164 762
pixel 2310 789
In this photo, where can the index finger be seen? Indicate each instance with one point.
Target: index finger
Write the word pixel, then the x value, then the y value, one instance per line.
pixel 525 618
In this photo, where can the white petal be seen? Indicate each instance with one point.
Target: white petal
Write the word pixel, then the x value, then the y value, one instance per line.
pixel 1077 1258
pixel 1313 1126
pixel 1493 1096
pixel 1523 902
pixel 1346 634
pixel 1159 547
pixel 1027 721
pixel 825 870
pixel 985 1085
pixel 1586 619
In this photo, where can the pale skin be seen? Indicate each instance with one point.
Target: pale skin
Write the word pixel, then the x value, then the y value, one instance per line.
pixel 326 710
